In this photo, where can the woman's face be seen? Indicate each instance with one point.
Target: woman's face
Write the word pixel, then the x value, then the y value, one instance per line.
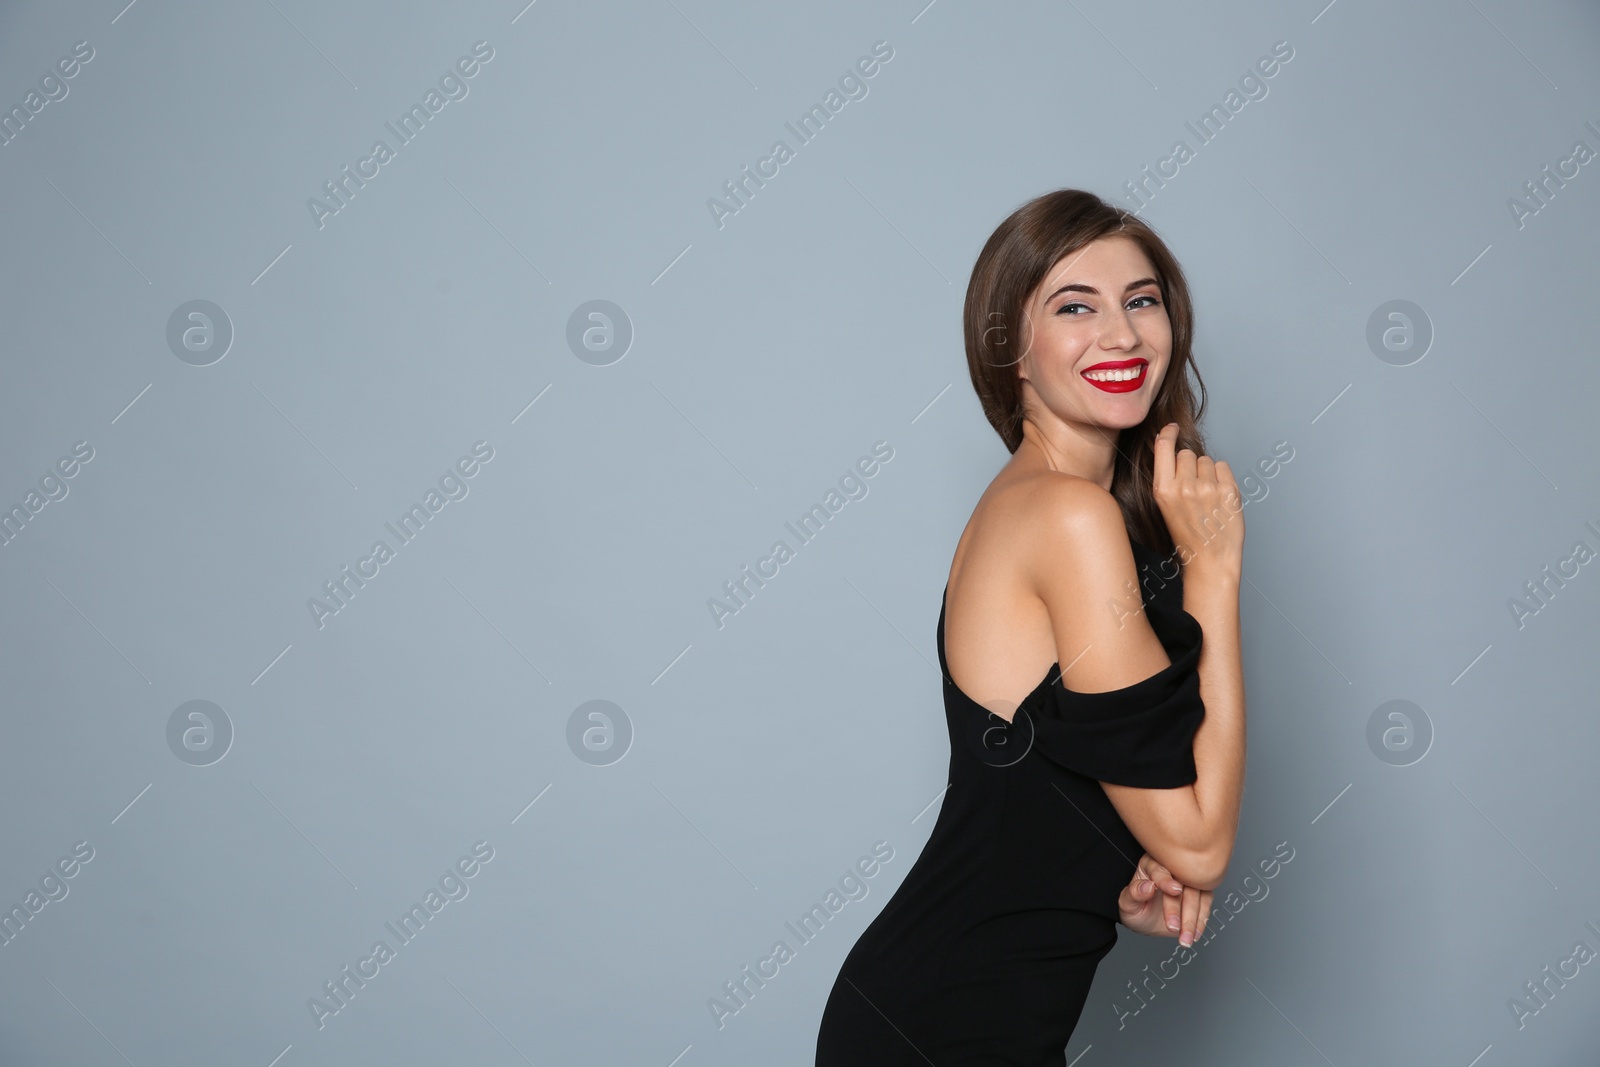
pixel 1098 315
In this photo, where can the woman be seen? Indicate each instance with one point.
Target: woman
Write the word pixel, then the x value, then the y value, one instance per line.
pixel 1104 546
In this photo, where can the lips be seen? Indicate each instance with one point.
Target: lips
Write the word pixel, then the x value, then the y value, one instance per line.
pixel 1118 364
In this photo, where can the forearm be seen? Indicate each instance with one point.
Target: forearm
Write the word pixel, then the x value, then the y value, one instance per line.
pixel 1219 743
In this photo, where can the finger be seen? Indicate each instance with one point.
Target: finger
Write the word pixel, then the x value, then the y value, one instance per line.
pixel 1225 480
pixel 1163 454
pixel 1139 887
pixel 1191 913
pixel 1159 874
pixel 1184 464
pixel 1205 912
pixel 1127 907
pixel 1172 913
pixel 1205 469
pixel 1138 878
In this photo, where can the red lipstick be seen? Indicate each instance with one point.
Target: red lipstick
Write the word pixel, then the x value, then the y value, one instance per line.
pixel 1118 364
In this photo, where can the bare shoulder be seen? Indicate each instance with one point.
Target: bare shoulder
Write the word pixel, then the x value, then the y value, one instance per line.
pixel 1041 547
pixel 1065 527
pixel 1081 566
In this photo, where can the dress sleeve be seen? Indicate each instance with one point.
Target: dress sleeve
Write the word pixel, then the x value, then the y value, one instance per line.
pixel 1141 735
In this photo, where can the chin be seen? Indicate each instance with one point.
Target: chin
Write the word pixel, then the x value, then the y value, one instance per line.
pixel 1120 413
pixel 1126 424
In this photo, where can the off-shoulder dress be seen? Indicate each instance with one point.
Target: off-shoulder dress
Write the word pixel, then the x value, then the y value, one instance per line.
pixel 986 951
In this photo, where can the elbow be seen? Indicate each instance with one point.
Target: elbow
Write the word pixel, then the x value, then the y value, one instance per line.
pixel 1200 870
pixel 1211 873
pixel 1210 866
pixel 1203 867
pixel 1208 859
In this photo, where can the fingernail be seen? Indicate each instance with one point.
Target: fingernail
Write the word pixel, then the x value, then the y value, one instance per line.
pixel 1186 940
pixel 1176 887
pixel 1172 922
pixel 1144 886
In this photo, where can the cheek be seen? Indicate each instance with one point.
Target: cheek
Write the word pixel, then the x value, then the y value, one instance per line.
pixel 1063 345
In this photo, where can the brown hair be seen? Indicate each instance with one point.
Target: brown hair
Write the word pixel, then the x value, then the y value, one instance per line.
pixel 1015 259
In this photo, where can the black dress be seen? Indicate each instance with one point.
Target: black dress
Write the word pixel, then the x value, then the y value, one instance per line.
pixel 986 951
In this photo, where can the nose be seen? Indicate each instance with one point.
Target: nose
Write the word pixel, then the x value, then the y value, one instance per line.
pixel 1119 331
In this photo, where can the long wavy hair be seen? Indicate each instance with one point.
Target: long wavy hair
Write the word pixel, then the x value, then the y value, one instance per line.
pixel 1015 259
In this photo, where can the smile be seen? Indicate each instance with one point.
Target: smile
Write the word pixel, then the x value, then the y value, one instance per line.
pixel 1121 376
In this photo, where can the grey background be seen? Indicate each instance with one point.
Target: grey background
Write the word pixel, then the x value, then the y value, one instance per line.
pixel 766 756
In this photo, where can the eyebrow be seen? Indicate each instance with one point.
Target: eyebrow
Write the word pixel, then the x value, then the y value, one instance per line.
pixel 1092 290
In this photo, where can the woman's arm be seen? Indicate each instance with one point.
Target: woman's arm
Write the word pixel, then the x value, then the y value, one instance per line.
pixel 1085 574
pixel 1083 570
pixel 1201 505
pixel 1212 597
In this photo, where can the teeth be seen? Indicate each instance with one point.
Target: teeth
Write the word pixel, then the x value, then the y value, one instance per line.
pixel 1123 375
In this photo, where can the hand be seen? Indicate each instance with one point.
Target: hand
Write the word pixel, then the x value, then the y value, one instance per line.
pixel 1153 901
pixel 1202 507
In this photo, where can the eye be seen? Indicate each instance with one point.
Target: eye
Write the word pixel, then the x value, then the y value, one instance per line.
pixel 1154 302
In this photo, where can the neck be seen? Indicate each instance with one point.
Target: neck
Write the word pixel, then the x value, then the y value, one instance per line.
pixel 1089 452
